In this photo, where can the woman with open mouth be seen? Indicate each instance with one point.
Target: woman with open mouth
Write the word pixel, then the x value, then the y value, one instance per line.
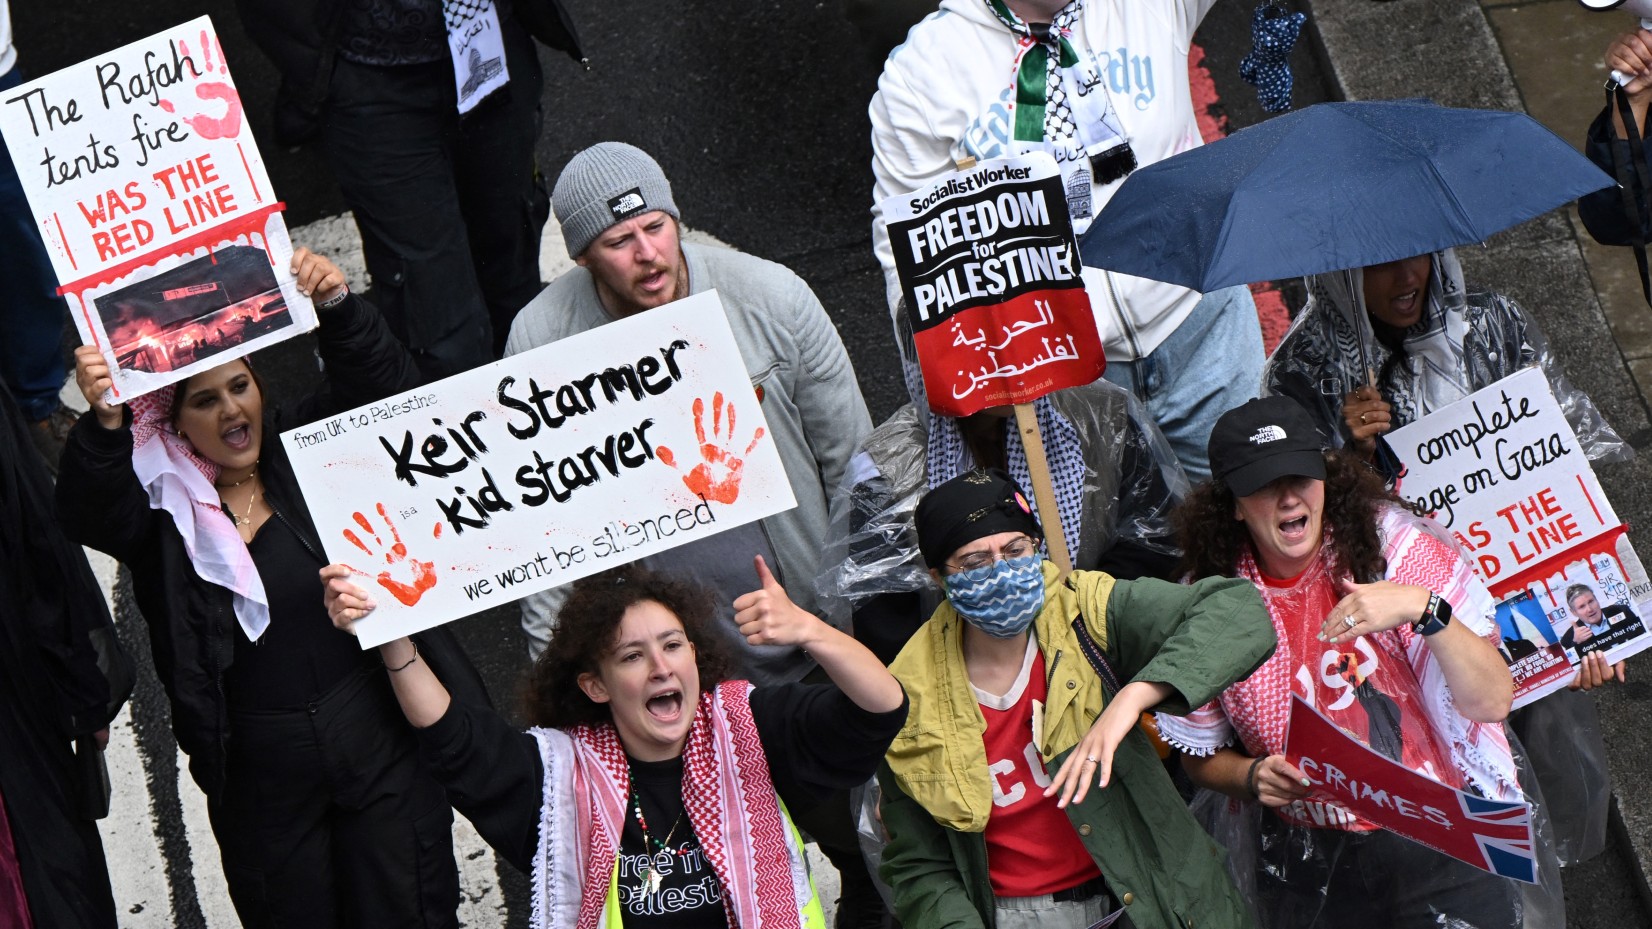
pixel 1434 344
pixel 324 814
pixel 651 790
pixel 1384 629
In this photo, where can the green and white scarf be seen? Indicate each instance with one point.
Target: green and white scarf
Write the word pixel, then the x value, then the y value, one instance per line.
pixel 1058 110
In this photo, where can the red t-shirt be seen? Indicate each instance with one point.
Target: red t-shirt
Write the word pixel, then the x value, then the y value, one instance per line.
pixel 1032 848
pixel 1366 686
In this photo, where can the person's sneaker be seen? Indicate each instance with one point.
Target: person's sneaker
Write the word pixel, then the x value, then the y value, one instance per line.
pixel 51 433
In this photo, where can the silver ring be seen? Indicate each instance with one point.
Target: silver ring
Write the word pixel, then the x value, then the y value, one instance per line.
pixel 1350 621
pixel 1092 759
pixel 1364 418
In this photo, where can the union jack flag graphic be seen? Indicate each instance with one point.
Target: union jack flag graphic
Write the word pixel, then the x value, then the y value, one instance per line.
pixel 1495 835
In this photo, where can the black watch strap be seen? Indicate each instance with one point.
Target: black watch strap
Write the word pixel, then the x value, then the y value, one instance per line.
pixel 1435 617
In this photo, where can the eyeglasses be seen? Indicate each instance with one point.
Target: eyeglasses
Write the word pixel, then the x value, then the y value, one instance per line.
pixel 978 561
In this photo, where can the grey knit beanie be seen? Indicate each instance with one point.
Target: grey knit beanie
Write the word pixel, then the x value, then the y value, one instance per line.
pixel 607 183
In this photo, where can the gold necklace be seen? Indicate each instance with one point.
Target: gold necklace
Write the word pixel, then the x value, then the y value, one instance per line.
pixel 251 499
pixel 244 479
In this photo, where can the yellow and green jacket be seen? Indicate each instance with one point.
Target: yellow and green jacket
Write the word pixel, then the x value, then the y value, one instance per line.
pixel 1156 860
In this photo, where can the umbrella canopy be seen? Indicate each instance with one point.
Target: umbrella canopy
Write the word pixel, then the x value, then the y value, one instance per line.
pixel 1335 186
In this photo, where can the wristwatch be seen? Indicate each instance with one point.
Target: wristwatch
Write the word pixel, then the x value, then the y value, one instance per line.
pixel 1435 616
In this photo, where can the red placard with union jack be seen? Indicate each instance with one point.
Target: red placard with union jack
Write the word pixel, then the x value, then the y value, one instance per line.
pixel 1495 835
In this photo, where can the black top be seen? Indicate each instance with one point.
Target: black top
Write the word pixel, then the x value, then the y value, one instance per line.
pixel 301 655
pixel 393 32
pixel 688 894
pixel 815 738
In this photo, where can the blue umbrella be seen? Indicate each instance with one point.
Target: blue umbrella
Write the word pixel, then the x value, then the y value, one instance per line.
pixel 1335 186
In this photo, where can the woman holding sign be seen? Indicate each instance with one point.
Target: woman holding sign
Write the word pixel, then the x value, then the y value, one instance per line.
pixel 323 812
pixel 651 790
pixel 1429 342
pixel 1384 629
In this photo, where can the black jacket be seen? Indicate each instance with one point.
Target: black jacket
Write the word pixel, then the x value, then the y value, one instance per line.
pixel 301 38
pixel 191 621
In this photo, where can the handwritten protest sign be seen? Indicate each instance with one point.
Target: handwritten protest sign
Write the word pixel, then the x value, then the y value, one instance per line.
pixel 540 469
pixel 1502 470
pixel 992 280
pixel 155 208
pixel 1495 835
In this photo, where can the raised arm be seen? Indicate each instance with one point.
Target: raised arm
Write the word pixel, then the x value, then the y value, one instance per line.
pixel 767 616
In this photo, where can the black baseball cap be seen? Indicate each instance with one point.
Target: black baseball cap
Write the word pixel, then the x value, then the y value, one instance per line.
pixel 971 506
pixel 1263 440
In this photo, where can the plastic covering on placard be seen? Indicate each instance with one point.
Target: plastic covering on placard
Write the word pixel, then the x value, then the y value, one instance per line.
pixel 1295 877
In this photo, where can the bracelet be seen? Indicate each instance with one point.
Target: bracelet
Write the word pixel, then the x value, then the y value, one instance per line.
pixel 407 664
pixel 335 300
pixel 1250 777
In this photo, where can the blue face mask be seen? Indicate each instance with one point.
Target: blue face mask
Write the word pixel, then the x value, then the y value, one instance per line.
pixel 1000 600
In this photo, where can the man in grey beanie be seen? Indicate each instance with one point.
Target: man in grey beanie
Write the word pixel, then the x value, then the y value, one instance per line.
pixel 621 226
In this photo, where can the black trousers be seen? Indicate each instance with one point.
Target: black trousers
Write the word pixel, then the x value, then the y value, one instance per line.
pixel 328 819
pixel 1332 879
pixel 450 209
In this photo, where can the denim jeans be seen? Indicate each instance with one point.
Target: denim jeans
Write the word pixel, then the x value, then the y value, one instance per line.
pixel 31 312
pixel 1209 365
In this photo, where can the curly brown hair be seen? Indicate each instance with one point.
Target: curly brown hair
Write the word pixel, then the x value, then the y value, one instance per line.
pixel 586 629
pixel 1212 539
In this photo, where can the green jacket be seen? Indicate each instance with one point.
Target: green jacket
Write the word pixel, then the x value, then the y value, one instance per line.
pixel 1155 858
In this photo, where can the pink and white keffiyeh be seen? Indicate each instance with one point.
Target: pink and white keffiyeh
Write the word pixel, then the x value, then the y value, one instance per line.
pixel 180 482
pixel 1254 711
pixel 727 793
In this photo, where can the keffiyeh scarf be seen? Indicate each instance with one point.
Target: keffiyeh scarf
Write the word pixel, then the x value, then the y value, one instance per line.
pixel 1062 106
pixel 728 796
pixel 1435 373
pixel 181 482
pixel 1255 711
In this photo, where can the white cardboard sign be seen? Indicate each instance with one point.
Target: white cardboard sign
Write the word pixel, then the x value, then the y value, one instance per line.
pixel 1502 470
pixel 537 470
pixel 152 199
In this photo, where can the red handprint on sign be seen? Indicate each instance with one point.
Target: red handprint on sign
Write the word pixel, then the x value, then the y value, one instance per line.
pixel 717 476
pixel 422 574
pixel 211 92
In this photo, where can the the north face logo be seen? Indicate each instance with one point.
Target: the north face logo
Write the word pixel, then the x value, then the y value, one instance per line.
pixel 628 204
pixel 1267 434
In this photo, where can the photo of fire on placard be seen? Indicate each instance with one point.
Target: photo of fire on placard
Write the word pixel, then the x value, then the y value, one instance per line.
pixel 194 311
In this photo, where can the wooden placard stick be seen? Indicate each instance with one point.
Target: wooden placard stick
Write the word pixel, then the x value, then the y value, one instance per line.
pixel 1032 442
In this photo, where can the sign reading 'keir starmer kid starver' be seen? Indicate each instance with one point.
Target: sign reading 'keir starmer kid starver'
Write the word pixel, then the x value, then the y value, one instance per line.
pixel 990 273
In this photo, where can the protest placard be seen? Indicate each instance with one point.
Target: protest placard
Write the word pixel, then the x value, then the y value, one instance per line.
pixel 155 208
pixel 579 456
pixel 990 272
pixel 1350 778
pixel 1502 470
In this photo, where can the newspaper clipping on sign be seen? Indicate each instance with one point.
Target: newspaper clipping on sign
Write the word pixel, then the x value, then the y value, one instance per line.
pixel 151 197
pixel 1502 470
pixel 531 472
pixel 993 286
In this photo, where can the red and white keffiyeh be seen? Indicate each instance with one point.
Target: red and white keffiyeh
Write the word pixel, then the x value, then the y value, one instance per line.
pixel 1254 711
pixel 727 793
pixel 180 482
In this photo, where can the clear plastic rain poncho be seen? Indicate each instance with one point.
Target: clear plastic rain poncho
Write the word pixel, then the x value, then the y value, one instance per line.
pixel 1465 342
pixel 1313 863
pixel 1116 482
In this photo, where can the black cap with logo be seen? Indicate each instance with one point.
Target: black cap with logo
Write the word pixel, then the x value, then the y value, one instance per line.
pixel 1263 440
pixel 971 506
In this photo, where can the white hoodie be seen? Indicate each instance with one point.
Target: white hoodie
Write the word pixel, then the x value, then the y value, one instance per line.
pixel 949 91
pixel 8 55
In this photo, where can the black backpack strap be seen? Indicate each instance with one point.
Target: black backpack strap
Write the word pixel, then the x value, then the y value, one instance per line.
pixel 1634 184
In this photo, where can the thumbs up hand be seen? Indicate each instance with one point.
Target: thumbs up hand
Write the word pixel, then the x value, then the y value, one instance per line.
pixel 766 616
